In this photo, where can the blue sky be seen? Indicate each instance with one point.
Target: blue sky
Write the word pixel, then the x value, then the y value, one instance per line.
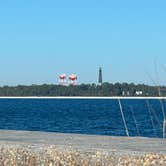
pixel 41 39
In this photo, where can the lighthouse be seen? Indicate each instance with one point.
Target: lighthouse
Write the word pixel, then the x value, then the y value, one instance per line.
pixel 100 81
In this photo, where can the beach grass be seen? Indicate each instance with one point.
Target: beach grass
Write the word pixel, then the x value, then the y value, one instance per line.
pixel 52 156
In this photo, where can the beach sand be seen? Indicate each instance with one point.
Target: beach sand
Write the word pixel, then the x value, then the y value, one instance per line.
pixel 46 148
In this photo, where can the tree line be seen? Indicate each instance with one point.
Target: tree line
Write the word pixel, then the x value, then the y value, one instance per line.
pixel 106 89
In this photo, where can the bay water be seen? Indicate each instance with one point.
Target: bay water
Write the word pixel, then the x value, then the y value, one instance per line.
pixel 84 116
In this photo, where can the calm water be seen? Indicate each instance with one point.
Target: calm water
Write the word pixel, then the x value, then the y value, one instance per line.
pixel 85 116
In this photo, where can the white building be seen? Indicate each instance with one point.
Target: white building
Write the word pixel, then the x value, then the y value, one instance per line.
pixel 138 93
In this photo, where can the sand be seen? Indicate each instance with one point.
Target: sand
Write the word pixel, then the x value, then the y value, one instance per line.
pixel 44 148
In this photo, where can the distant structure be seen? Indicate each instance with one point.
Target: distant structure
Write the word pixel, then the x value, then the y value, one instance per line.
pixel 100 81
pixel 73 79
pixel 62 79
pixel 138 93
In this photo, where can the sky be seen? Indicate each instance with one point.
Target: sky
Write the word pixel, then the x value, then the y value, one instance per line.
pixel 41 39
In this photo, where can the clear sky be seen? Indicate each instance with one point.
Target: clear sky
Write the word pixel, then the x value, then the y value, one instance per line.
pixel 40 39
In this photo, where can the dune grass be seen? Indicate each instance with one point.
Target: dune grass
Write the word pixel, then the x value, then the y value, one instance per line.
pixel 52 156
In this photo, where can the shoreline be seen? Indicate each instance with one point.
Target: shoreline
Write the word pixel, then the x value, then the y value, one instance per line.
pixel 83 142
pixel 43 148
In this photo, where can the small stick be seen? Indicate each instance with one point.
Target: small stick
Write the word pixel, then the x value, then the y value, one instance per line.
pixel 164 125
pixel 121 110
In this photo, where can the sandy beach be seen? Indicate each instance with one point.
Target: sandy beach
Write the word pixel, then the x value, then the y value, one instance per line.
pixel 38 148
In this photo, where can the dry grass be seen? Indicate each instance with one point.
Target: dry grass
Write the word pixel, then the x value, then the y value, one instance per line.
pixel 52 156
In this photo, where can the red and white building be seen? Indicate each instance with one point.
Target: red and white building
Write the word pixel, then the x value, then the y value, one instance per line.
pixel 72 79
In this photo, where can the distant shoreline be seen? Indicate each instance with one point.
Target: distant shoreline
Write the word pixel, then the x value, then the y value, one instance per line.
pixel 78 97
pixel 84 90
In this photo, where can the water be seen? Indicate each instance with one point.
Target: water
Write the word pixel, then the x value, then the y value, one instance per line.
pixel 84 116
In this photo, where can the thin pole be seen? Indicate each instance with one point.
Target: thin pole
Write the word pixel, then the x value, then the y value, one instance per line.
pixel 151 118
pixel 162 107
pixel 155 116
pixel 161 102
pixel 121 110
pixel 164 125
pixel 133 115
pixel 164 120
